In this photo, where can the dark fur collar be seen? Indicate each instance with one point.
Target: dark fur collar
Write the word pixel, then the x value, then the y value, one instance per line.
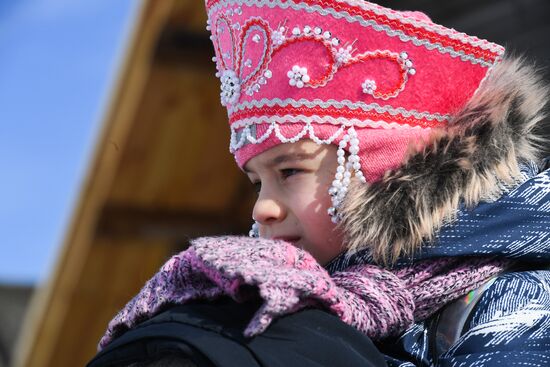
pixel 476 158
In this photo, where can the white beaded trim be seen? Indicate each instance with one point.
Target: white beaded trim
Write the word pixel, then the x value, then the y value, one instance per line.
pixel 369 86
pixel 240 138
pixel 343 55
pixel 240 130
pixel 230 87
pixel 347 168
pixel 298 76
pixel 255 230
pixel 278 36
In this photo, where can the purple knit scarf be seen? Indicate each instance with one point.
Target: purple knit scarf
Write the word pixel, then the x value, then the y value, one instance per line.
pixel 376 301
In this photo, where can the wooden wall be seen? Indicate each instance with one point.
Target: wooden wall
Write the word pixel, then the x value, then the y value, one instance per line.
pixel 161 174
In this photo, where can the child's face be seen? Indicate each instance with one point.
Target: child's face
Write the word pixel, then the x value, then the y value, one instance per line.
pixel 292 181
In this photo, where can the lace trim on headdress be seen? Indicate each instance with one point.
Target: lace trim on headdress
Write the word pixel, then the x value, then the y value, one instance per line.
pixel 244 131
pixel 264 102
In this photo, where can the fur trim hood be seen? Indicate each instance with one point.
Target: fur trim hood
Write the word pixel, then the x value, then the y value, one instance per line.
pixel 476 158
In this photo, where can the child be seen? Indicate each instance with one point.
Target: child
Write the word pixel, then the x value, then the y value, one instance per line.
pixel 397 169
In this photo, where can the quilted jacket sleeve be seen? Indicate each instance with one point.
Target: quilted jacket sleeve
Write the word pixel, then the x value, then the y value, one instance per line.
pixel 510 325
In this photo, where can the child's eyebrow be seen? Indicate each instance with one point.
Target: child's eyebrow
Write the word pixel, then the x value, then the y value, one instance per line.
pixel 289 157
pixel 283 158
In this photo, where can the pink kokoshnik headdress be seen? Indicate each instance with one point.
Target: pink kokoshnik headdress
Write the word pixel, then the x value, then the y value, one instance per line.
pixel 368 79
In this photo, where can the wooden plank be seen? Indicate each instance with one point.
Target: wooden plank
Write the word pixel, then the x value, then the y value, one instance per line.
pixel 178 154
pixel 50 308
pixel 170 225
pixel 189 14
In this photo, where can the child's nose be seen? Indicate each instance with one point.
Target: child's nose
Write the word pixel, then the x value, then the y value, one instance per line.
pixel 268 210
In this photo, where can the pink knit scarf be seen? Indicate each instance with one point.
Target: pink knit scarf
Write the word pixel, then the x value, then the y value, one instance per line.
pixel 376 301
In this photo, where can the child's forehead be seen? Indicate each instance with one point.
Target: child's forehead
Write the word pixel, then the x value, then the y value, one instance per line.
pixel 303 150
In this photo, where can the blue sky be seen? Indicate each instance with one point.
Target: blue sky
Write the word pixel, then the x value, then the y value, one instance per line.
pixel 58 61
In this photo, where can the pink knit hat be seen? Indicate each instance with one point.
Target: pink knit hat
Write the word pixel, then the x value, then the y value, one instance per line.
pixel 346 72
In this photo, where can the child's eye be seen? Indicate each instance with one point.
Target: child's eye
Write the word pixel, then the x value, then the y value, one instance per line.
pixel 287 172
pixel 257 186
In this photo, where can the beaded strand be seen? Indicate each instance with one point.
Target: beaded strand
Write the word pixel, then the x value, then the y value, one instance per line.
pixel 344 171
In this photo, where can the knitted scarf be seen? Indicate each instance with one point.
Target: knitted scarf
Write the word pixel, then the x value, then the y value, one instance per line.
pixel 379 302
